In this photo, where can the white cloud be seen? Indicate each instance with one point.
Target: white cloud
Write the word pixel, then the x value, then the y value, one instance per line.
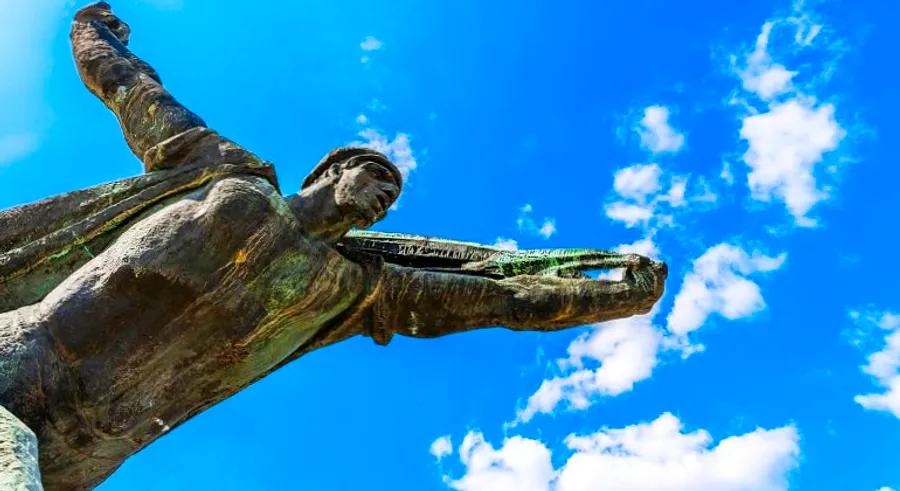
pixel 525 222
pixel 718 284
pixel 645 247
pixel 398 149
pixel 637 181
pixel 657 135
pixel 441 447
pixel 548 228
pixel 17 146
pixel 883 365
pixel 629 214
pixel 784 146
pixel 362 119
pixel 371 43
pixel 654 456
pixel 788 138
pixel 626 350
pixel 506 244
pixel 726 174
pixel 376 106
pixel 520 465
pixel 644 199
pixel 761 75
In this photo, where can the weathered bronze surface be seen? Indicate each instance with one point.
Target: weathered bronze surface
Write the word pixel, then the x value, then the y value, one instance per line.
pixel 130 307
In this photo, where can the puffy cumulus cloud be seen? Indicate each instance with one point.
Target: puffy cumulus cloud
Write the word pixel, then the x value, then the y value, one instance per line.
pixel 371 43
pixel 630 214
pixel 614 356
pixel 883 365
pixel 761 75
pixel 718 284
pixel 791 134
pixel 637 182
pixel 520 464
pixel 441 447
pixel 607 361
pixel 785 145
pixel 526 223
pixel 657 135
pixel 645 247
pixel 397 149
pixel 655 456
pixel 645 198
pixel 659 456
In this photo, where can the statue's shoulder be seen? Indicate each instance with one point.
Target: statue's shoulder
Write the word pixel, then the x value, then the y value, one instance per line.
pixel 42 242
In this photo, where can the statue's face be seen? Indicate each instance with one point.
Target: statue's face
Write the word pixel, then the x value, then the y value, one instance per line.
pixel 356 191
pixel 364 189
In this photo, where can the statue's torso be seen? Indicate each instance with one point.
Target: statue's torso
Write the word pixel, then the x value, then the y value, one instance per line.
pixel 144 336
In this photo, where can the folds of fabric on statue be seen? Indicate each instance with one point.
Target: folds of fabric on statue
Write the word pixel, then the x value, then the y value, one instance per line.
pixel 19 469
pixel 196 147
pixel 43 243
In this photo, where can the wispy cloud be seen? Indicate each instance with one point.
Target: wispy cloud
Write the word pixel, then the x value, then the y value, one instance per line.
pixel 626 351
pixel 657 135
pixel 397 149
pixel 718 283
pixel 616 355
pixel 655 456
pixel 789 132
pixel 645 198
pixel 371 43
pixel 883 365
pixel 525 222
pixel 506 244
pixel 441 447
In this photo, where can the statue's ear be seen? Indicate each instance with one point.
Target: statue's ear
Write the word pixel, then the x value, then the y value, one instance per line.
pixel 345 154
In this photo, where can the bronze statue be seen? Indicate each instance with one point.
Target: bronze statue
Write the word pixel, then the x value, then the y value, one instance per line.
pixel 130 307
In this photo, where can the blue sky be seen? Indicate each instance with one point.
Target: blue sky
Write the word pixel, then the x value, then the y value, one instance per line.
pixel 750 147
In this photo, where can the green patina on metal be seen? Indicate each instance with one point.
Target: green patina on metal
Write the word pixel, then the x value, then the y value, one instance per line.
pixel 470 258
pixel 60 232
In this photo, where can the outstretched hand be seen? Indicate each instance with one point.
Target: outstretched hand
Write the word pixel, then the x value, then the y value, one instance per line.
pixel 101 12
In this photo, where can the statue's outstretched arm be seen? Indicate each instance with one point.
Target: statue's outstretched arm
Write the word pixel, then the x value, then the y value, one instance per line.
pixel 431 304
pixel 159 130
pixel 18 455
pixel 433 287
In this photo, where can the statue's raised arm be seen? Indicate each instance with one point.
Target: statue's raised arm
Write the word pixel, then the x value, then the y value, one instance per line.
pixel 127 308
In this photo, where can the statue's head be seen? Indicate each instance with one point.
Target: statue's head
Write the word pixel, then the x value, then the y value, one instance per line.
pixel 344 158
pixel 351 186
